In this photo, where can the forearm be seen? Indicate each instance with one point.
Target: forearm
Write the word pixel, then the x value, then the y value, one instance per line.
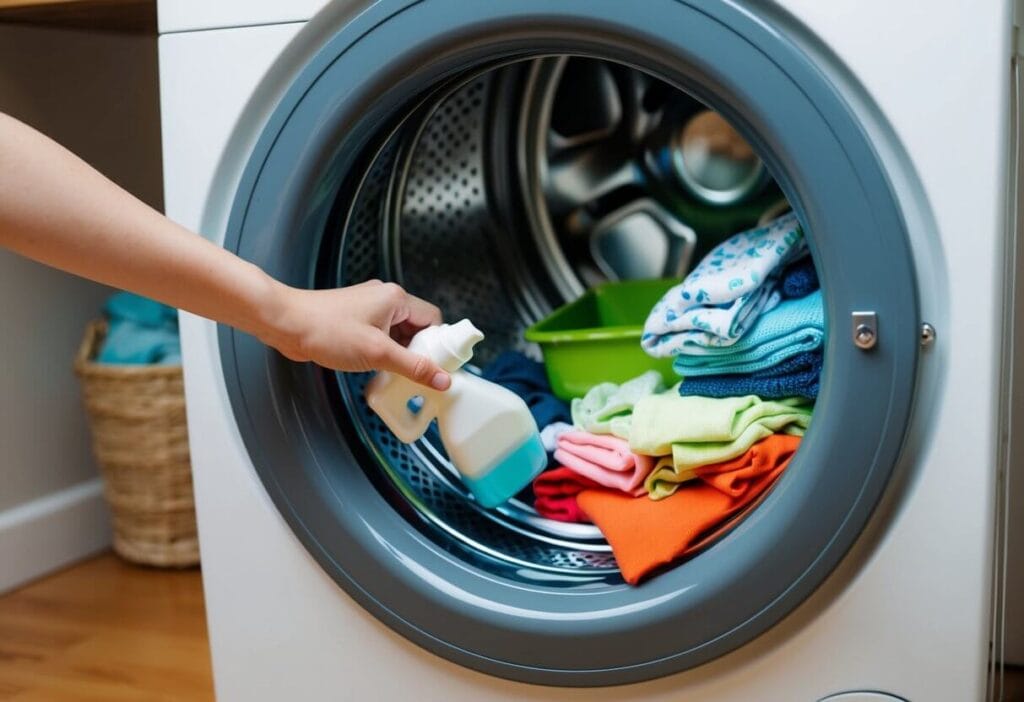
pixel 56 209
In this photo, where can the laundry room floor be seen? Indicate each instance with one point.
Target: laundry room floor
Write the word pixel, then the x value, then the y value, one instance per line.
pixel 106 630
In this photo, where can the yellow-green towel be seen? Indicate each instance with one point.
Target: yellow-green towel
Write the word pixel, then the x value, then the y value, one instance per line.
pixel 698 431
pixel 606 407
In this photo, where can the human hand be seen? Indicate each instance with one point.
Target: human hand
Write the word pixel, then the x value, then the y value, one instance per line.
pixel 359 328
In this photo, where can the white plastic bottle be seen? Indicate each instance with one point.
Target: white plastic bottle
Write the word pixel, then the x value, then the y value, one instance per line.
pixel 488 431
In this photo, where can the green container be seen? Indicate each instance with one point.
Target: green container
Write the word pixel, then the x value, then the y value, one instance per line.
pixel 597 338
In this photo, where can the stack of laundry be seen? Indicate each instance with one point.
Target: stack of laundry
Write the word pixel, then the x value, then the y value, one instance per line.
pixel 749 319
pixel 661 470
pixel 647 536
pixel 658 472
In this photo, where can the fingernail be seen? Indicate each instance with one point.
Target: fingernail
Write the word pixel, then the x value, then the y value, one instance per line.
pixel 440 381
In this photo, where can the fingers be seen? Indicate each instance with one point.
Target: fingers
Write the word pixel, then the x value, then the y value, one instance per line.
pixel 404 308
pixel 406 313
pixel 391 356
pixel 422 313
pixel 403 333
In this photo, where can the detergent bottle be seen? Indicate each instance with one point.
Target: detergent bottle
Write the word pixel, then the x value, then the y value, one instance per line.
pixel 488 431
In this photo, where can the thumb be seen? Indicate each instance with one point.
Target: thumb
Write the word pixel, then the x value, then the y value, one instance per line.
pixel 398 359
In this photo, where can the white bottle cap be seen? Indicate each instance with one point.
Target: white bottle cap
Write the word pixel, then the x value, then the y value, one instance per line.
pixel 459 339
pixel 448 345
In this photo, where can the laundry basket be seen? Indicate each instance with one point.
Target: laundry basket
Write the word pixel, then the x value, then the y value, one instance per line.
pixel 137 417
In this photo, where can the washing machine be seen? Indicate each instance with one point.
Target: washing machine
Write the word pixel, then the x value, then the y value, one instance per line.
pixel 500 158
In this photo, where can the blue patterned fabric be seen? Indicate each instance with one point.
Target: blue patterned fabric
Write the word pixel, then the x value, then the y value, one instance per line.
pixel 722 297
pixel 799 376
pixel 794 327
pixel 800 278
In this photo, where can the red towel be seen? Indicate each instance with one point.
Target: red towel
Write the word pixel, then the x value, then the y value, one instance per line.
pixel 555 492
pixel 646 534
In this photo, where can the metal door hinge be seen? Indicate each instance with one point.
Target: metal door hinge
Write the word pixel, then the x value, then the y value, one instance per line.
pixel 865 330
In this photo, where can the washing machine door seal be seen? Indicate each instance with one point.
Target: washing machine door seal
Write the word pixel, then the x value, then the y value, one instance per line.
pixel 744 66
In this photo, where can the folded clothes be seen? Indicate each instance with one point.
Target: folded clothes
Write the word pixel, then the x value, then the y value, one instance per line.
pixel 604 459
pixel 800 278
pixel 794 327
pixel 606 407
pixel 722 297
pixel 646 535
pixel 527 378
pixel 698 431
pixel 139 331
pixel 735 477
pixel 141 310
pixel 799 376
pixel 555 494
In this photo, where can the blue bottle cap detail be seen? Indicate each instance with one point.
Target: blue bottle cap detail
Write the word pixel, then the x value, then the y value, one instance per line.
pixel 510 474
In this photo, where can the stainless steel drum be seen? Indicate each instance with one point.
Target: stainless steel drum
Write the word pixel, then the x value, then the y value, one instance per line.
pixel 508 194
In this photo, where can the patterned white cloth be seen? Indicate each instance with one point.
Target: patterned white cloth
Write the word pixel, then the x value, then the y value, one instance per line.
pixel 722 297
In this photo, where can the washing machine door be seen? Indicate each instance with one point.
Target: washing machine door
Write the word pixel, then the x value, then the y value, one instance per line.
pixel 390 156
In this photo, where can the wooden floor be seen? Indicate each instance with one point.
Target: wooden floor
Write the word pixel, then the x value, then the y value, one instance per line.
pixel 1013 684
pixel 105 630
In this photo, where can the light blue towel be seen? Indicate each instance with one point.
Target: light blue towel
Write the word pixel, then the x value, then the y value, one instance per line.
pixel 794 327
pixel 139 331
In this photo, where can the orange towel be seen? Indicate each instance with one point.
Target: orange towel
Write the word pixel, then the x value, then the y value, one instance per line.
pixel 646 534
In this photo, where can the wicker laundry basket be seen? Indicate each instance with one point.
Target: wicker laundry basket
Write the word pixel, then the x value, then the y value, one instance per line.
pixel 137 417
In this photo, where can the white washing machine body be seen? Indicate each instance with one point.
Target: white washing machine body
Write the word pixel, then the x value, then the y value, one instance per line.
pixel 909 611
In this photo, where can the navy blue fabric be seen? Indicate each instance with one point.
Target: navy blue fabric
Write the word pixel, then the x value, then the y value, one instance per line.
pixel 800 278
pixel 798 376
pixel 527 378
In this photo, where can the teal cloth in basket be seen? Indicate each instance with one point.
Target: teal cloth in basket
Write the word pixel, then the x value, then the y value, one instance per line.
pixel 140 331
pixel 794 327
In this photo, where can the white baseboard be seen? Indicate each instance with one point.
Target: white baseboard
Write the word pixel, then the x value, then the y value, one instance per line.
pixel 49 532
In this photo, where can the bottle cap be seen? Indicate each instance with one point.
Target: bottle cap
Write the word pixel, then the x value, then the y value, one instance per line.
pixel 459 339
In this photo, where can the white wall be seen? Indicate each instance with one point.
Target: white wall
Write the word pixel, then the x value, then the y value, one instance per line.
pixel 96 93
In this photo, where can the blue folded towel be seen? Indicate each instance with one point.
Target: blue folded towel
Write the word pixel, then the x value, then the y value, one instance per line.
pixel 126 306
pixel 139 332
pixel 798 376
pixel 527 378
pixel 800 278
pixel 795 326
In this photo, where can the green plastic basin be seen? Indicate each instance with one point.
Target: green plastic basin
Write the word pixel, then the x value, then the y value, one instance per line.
pixel 597 338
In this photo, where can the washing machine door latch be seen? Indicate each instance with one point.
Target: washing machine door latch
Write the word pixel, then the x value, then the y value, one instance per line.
pixel 865 330
pixel 927 334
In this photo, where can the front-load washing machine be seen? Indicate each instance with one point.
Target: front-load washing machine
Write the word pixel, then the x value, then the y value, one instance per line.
pixel 499 158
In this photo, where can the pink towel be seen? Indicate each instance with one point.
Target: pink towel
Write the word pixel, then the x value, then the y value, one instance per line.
pixel 605 459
